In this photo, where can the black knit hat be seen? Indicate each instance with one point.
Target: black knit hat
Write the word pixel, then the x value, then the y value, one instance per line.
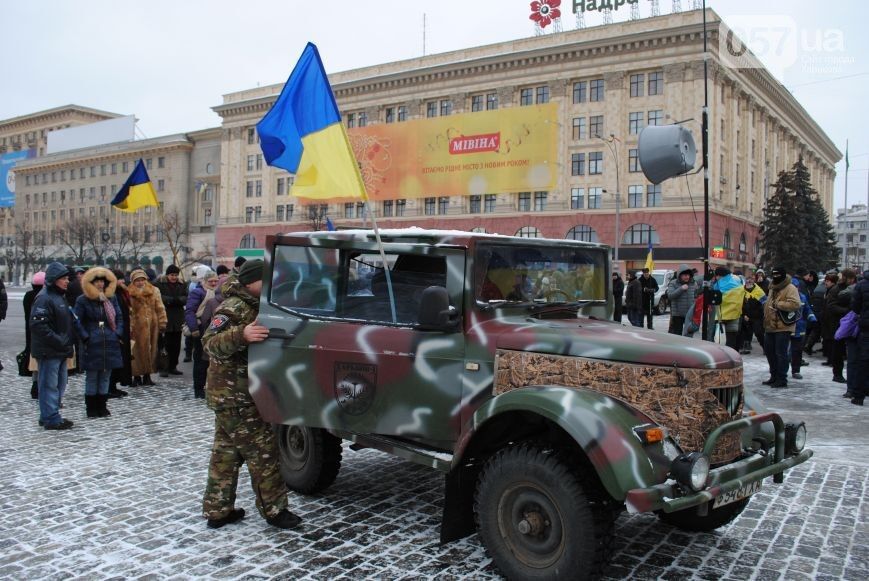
pixel 251 271
pixel 172 269
pixel 239 260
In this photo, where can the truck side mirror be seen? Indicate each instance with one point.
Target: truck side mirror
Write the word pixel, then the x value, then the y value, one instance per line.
pixel 435 311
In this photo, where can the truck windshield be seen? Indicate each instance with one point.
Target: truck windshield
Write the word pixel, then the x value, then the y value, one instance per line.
pixel 538 273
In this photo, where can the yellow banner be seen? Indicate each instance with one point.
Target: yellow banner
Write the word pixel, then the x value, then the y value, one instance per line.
pixel 486 152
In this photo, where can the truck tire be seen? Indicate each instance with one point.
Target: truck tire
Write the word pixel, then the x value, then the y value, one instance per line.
pixel 688 520
pixel 662 305
pixel 537 518
pixel 309 458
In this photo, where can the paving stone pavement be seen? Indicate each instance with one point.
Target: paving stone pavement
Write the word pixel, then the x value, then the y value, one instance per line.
pixel 119 498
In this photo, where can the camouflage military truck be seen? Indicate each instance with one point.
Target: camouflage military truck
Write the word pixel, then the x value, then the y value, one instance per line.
pixel 491 359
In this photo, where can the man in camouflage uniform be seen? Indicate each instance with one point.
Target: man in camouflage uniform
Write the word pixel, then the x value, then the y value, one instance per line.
pixel 240 434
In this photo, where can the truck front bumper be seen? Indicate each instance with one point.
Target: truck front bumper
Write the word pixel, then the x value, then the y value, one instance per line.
pixel 670 496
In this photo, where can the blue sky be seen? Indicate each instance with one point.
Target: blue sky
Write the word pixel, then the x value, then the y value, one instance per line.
pixel 169 61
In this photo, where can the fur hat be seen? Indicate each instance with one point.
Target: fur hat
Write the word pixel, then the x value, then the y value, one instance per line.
pixel 39 278
pixel 138 273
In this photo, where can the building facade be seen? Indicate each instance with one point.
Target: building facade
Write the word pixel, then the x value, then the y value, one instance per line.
pixel 608 82
pixel 852 235
pixel 64 211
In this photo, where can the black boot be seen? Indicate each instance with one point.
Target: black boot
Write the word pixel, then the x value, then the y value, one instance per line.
pixel 34 391
pixel 199 393
pixel 136 382
pixel 92 406
pixel 102 410
pixel 146 380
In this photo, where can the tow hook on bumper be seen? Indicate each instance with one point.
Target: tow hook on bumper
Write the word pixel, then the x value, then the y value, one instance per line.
pixel 670 497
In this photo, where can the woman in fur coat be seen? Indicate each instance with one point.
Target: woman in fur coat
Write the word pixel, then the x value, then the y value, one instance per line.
pixel 147 321
pixel 122 375
pixel 100 326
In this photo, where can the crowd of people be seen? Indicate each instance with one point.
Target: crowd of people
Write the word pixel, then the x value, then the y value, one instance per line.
pixel 788 314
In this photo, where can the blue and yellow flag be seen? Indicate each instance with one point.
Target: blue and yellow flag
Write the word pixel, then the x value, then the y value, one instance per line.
pixel 650 262
pixel 303 134
pixel 137 192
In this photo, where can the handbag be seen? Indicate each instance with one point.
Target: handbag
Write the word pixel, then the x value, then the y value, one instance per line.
pixel 788 317
pixel 848 327
pixel 23 360
pixel 162 358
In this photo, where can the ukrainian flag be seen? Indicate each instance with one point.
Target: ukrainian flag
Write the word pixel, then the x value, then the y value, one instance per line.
pixel 303 134
pixel 137 192
pixel 650 262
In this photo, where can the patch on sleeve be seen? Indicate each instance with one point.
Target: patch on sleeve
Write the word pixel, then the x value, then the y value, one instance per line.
pixel 219 322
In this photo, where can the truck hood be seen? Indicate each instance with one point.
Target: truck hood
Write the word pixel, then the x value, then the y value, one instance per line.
pixel 605 340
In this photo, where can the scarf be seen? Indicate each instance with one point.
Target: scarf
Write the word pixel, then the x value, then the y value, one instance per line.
pixel 110 311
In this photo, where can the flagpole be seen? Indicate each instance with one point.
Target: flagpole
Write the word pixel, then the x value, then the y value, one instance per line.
pixel 845 225
pixel 383 258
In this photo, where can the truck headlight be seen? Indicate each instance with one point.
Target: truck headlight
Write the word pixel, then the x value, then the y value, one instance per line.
pixel 795 438
pixel 691 470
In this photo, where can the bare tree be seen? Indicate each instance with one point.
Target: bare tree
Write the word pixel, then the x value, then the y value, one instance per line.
pixel 317 214
pixel 30 252
pixel 127 245
pixel 177 233
pixel 77 235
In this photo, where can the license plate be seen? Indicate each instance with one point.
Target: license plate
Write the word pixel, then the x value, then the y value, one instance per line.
pixel 737 494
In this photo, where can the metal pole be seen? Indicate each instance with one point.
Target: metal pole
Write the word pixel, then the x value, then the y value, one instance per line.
pixel 845 225
pixel 707 292
pixel 612 144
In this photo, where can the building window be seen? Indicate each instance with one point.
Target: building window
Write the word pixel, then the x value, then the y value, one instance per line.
pixel 526 97
pixel 594 197
pixel 279 212
pixel 595 163
pixel 489 202
pixel 259 161
pixel 491 101
pixel 114 171
pixel 641 234
pixel 247 241
pixel 249 189
pixel 653 196
pixel 635 122
pixel 387 208
pixel 596 92
pixel 580 92
pixel 400 207
pixel 540 201
pixel 102 171
pixel 577 198
pixel 637 82
pixel 93 173
pixel 431 109
pixel 290 210
pixel 443 205
pixel 528 232
pixel 524 202
pixel 595 126
pixel 542 94
pixel 363 119
pixel 429 206
pixel 635 196
pixel 248 214
pixel 259 188
pixel 351 120
pixel 125 167
pixel 161 186
pixel 279 191
pixel 476 103
pixel 148 162
pixel 727 238
pixel 656 117
pixel 475 204
pixel 348 210
pixel 250 162
pixel 161 162
pixel 402 113
pixel 208 194
pixel 207 217
pixel 583 233
pixel 634 160
pixel 577 164
pixel 446 108
pixel 251 135
pixel 360 210
pixel 390 114
pixel 743 245
pixel 578 128
pixel 656 83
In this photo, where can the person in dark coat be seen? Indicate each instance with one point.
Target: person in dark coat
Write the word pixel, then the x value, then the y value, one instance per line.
pixel 207 283
pixel 681 292
pixel 122 375
pixel 761 280
pixel 100 324
pixel 52 336
pixel 634 300
pixel 860 305
pixel 174 294
pixel 618 296
pixel 649 287
pixel 813 335
pixel 72 293
pixel 836 308
pixel 29 297
pixel 827 331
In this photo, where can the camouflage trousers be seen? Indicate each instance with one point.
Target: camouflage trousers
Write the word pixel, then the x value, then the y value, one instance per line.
pixel 241 435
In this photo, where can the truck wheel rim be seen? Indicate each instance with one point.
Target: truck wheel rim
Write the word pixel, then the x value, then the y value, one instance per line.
pixel 295 448
pixel 531 525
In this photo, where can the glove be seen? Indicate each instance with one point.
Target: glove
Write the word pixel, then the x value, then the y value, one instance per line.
pixel 195 334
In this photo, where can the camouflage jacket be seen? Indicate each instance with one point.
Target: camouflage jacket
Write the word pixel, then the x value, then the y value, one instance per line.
pixel 227 385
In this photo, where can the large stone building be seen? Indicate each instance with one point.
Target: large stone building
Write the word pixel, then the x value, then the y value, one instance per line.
pixel 63 204
pixel 605 80
pixel 30 133
pixel 852 236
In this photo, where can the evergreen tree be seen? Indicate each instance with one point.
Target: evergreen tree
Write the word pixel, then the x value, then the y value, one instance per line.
pixel 796 230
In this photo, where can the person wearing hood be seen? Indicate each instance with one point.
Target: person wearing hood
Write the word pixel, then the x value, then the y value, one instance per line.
pixel 52 335
pixel 192 313
pixel 752 315
pixel 618 296
pixel 836 307
pixel 761 280
pixel 681 292
pixel 174 295
pixel 634 300
pixel 730 309
pixel 784 298
pixel 101 326
pixel 36 285
pixel 147 321
pixel 860 305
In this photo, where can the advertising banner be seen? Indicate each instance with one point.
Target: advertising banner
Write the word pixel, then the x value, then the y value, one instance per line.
pixel 485 152
pixel 7 176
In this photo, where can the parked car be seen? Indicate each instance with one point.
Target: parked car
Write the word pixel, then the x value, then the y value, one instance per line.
pixel 662 303
pixel 493 359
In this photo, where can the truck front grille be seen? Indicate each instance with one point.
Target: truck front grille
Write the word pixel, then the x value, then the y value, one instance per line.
pixel 730 398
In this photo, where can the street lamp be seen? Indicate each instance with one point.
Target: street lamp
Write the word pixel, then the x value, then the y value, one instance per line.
pixel 613 145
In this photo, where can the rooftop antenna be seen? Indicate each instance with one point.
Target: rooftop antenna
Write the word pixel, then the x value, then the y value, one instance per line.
pixel 580 20
pixel 607 15
pixel 656 9
pixel 677 6
pixel 635 11
pixel 423 34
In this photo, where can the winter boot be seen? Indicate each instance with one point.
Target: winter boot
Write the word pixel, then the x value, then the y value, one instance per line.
pixel 137 381
pixel 146 380
pixel 199 393
pixel 234 516
pixel 92 406
pixel 102 410
pixel 284 520
pixel 34 391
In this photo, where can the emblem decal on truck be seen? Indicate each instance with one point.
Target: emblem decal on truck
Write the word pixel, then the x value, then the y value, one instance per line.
pixel 354 386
